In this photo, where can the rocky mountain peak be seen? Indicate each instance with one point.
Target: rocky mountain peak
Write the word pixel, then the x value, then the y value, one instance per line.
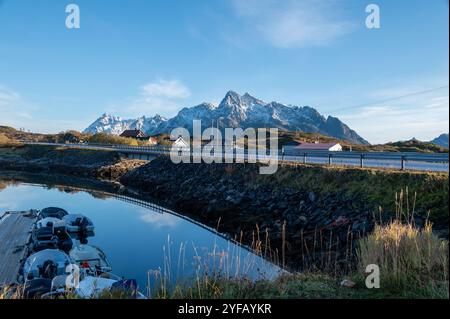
pixel 231 99
pixel 235 110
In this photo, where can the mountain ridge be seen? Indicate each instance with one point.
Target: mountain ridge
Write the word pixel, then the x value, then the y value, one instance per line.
pixel 441 140
pixel 234 110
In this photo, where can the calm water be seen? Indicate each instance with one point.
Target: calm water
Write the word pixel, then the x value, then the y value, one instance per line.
pixel 138 240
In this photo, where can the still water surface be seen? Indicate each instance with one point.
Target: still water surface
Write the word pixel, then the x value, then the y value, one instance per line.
pixel 139 240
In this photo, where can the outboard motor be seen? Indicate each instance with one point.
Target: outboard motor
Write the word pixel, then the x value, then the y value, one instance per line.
pixel 48 270
pixel 79 224
pixel 84 224
pixel 53 237
pixel 65 242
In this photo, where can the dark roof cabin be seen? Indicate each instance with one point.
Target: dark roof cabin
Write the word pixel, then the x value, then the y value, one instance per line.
pixel 133 134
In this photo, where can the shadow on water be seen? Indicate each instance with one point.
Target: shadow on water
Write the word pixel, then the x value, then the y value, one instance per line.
pixel 63 183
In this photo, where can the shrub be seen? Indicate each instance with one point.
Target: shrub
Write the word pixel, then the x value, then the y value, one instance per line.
pixel 103 138
pixel 408 257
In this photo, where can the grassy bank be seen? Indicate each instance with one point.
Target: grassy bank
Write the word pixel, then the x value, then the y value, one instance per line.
pixel 427 193
pixel 301 216
pixel 72 136
pixel 411 262
pixel 76 162
pixel 58 154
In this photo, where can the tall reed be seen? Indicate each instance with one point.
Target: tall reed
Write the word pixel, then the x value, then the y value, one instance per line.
pixel 407 256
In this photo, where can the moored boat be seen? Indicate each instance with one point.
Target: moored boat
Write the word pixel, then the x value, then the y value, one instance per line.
pixel 74 223
pixel 90 257
pixel 48 238
pixel 46 264
pixel 57 267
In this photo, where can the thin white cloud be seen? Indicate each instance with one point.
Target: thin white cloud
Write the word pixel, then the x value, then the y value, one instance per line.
pixel 423 117
pixel 18 112
pixel 438 103
pixel 158 97
pixel 13 107
pixel 166 89
pixel 8 96
pixel 291 23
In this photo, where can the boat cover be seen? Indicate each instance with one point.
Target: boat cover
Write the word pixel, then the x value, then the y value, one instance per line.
pixel 47 264
pixel 55 212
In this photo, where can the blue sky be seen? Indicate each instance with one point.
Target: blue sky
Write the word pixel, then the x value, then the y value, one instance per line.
pixel 141 57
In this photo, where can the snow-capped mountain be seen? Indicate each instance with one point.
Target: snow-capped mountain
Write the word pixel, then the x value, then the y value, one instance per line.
pixel 115 125
pixel 235 111
pixel 109 124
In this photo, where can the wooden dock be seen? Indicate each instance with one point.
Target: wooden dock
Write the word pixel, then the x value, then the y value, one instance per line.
pixel 15 233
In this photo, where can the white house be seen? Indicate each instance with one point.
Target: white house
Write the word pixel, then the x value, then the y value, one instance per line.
pixel 180 143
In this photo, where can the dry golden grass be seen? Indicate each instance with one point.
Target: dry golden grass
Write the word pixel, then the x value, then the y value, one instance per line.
pixel 407 256
pixel 10 292
pixel 103 138
pixel 402 247
pixel 8 142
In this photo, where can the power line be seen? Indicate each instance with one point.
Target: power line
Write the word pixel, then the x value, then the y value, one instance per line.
pixel 392 99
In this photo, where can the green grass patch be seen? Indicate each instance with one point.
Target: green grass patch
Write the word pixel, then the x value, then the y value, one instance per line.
pixel 374 186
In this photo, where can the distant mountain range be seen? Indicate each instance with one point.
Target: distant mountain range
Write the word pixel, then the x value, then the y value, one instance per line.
pixel 441 140
pixel 234 111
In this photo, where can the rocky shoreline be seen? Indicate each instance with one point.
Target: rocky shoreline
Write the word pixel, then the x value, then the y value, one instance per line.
pixel 74 162
pixel 284 221
pixel 305 224
pixel 299 216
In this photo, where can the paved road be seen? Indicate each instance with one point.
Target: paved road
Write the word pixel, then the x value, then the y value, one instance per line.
pixel 436 162
pixel 377 163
